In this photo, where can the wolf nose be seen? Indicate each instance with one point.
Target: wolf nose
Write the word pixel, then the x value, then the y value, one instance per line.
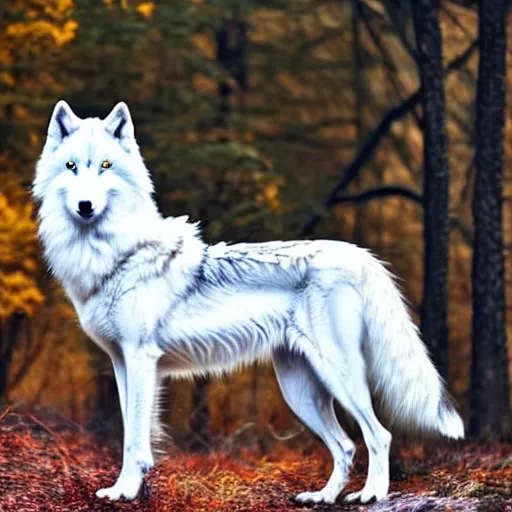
pixel 85 209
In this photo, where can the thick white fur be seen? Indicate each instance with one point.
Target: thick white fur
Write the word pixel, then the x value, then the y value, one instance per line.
pixel 160 302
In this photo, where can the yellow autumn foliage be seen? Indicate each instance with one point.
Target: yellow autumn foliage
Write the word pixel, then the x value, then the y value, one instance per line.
pixel 48 20
pixel 204 45
pixel 18 254
pixel 40 29
pixel 146 9
pixel 270 195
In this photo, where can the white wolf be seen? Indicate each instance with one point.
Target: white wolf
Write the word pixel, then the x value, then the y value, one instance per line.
pixel 161 302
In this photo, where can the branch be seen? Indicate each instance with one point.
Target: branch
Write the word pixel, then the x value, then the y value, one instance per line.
pixel 362 157
pixel 461 59
pixel 373 140
pixel 383 191
pixel 407 193
pixel 389 65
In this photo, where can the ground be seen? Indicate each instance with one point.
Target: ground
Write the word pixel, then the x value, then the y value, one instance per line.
pixel 50 464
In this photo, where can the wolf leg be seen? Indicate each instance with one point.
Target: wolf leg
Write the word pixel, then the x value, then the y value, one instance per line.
pixel 341 367
pixel 120 375
pixel 141 377
pixel 310 401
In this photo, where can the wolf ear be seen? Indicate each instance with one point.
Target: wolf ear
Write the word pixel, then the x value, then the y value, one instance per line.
pixel 119 123
pixel 63 122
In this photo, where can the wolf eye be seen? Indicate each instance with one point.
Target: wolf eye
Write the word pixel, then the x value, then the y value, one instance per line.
pixel 71 165
pixel 106 165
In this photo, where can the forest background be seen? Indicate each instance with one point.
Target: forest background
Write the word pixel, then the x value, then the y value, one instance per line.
pixel 250 116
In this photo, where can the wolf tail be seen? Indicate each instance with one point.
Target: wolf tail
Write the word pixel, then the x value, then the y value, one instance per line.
pixel 400 371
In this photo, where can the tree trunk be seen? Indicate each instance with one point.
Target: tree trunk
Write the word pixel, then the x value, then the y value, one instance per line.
pixel 7 343
pixel 231 40
pixel 489 377
pixel 436 181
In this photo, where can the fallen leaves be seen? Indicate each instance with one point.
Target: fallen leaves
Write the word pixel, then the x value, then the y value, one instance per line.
pixel 50 464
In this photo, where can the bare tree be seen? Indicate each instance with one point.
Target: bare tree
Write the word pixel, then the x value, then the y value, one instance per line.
pixel 489 377
pixel 434 323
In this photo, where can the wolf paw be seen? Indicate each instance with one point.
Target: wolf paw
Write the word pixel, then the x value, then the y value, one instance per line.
pixel 364 495
pixel 322 496
pixel 125 489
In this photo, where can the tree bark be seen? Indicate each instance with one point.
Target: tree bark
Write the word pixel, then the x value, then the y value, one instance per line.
pixel 434 323
pixel 489 397
pixel 7 343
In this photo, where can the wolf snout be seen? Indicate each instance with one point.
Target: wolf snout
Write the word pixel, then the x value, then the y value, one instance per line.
pixel 85 209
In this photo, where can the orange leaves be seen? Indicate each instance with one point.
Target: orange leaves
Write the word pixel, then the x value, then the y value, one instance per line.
pixel 18 293
pixel 18 247
pixel 270 195
pixel 42 21
pixel 204 83
pixel 204 44
pixel 146 9
pixel 41 29
pixel 36 449
pixel 6 78
pixel 218 482
pixel 17 235
pixel 57 8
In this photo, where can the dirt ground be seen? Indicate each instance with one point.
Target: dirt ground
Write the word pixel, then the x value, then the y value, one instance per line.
pixel 50 464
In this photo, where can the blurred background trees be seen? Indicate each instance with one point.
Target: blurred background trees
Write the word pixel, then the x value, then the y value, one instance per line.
pixel 271 120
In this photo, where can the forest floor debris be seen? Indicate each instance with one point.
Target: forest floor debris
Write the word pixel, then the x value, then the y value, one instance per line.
pixel 49 464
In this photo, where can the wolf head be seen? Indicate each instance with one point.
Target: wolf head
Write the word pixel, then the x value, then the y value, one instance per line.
pixel 90 168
